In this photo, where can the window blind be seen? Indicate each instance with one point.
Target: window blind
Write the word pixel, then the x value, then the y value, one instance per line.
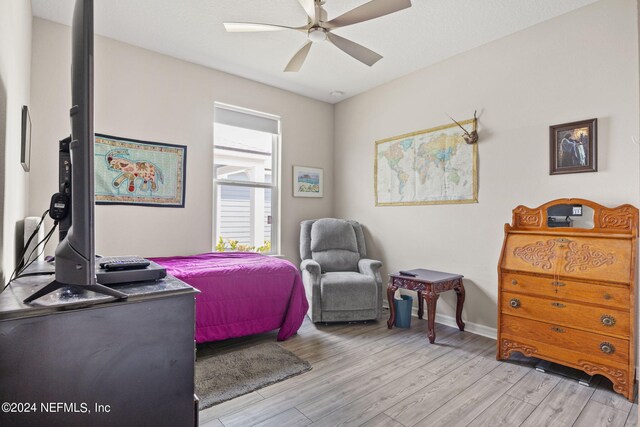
pixel 260 123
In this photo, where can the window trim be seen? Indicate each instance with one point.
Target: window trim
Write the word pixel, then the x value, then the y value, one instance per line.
pixel 274 185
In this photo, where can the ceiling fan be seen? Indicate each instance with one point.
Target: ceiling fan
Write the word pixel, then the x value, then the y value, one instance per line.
pixel 318 29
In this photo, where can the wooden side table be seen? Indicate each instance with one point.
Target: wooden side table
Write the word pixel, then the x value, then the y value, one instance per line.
pixel 429 284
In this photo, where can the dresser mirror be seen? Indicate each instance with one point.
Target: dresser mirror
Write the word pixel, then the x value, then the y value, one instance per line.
pixel 570 215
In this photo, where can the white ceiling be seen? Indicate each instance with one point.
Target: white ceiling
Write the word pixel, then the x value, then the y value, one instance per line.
pixel 428 32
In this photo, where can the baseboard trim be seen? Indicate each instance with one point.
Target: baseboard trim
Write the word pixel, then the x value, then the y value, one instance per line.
pixel 474 328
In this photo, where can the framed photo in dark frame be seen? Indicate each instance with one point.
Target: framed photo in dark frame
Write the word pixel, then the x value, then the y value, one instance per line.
pixel 573 147
pixel 25 150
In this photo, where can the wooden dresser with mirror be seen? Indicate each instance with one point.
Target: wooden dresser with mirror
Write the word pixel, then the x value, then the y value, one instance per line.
pixel 567 295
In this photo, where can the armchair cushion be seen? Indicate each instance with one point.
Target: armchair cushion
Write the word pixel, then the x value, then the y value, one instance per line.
pixel 337 260
pixel 348 291
pixel 331 233
pixel 334 245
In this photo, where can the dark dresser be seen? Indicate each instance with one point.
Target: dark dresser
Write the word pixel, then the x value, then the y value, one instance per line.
pixel 568 295
pixel 83 359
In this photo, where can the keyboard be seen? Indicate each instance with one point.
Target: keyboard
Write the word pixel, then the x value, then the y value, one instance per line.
pixel 123 263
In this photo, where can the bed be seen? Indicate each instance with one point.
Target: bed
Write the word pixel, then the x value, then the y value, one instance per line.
pixel 241 293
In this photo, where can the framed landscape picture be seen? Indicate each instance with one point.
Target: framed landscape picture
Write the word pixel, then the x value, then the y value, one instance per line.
pixel 573 147
pixel 307 182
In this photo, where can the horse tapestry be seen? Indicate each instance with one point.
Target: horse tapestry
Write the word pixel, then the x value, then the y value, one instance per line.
pixel 132 172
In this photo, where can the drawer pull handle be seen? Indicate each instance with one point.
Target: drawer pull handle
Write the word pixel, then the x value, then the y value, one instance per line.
pixel 515 303
pixel 608 320
pixel 563 240
pixel 607 296
pixel 556 329
pixel 558 304
pixel 514 282
pixel 607 348
pixel 558 284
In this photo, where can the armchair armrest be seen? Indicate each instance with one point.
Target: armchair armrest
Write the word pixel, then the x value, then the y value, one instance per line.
pixel 311 275
pixel 369 267
pixel 311 266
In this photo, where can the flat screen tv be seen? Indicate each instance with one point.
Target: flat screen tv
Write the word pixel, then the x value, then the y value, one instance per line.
pixel 75 264
pixel 75 254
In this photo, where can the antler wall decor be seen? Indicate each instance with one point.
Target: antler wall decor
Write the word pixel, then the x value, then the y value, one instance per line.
pixel 469 138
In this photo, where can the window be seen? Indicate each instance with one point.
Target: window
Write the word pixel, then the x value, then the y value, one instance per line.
pixel 245 180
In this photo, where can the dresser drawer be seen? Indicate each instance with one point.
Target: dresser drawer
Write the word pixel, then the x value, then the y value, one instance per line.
pixel 611 296
pixel 594 319
pixel 557 340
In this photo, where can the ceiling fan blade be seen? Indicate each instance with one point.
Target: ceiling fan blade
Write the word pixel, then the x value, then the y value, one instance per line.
pixel 251 27
pixel 359 52
pixel 373 9
pixel 309 7
pixel 298 59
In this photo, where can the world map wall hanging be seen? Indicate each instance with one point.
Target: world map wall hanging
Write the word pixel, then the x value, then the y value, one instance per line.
pixel 433 166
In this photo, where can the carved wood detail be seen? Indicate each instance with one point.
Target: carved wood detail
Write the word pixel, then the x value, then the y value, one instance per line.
pixel 509 347
pixel 414 285
pixel 409 284
pixel 620 219
pixel 585 257
pixel 538 254
pixel 581 257
pixel 525 217
pixel 617 376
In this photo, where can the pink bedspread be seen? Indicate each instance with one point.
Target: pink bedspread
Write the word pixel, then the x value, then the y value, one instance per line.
pixel 241 293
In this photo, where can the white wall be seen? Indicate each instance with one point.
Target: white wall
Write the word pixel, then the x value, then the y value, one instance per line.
pixel 148 96
pixel 577 66
pixel 15 65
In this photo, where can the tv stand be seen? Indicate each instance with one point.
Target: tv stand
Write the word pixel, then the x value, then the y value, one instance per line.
pixel 97 288
pixel 134 357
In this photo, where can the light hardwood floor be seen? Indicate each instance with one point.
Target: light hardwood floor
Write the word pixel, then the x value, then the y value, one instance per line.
pixel 365 374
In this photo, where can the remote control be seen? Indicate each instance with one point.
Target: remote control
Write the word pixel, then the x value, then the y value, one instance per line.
pixel 407 273
pixel 124 263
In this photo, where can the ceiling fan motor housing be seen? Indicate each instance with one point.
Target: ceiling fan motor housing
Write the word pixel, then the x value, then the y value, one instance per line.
pixel 317 34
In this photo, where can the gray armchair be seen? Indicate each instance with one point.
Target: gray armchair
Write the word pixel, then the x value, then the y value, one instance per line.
pixel 340 282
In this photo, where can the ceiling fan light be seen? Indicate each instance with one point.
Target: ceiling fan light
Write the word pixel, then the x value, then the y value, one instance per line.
pixel 317 34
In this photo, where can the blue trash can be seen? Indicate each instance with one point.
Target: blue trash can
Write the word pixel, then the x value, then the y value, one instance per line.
pixel 403 311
